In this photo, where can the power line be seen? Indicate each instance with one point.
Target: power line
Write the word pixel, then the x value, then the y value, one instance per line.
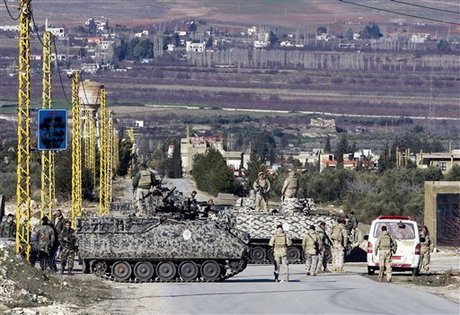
pixel 9 12
pixel 426 7
pixel 399 13
pixel 36 28
pixel 59 70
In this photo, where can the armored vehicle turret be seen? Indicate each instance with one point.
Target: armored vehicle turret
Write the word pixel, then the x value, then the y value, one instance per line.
pixel 157 248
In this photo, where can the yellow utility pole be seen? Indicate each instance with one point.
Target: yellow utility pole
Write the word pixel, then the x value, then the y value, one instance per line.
pixel 110 151
pixel 103 144
pixel 47 175
pixel 76 150
pixel 23 151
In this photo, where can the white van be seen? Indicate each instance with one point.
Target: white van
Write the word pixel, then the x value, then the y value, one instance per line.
pixel 406 234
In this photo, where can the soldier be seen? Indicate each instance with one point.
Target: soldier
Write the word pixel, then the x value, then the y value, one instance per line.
pixel 58 226
pixel 143 181
pixel 45 240
pixel 261 187
pixel 312 248
pixel 280 242
pixel 339 237
pixel 8 227
pixel 427 242
pixel 385 246
pixel 69 247
pixel 352 224
pixel 290 186
pixel 325 245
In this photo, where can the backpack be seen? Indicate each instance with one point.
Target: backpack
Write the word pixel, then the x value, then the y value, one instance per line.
pixel 335 236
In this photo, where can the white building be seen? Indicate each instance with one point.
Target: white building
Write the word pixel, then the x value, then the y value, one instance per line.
pixel 9 28
pixel 56 31
pixel 195 47
pixel 419 38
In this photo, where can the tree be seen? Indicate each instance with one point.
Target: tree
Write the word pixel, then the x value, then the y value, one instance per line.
pixel 454 174
pixel 176 161
pixel 349 34
pixel 327 146
pixel 125 156
pixel 342 148
pixel 255 165
pixel 212 174
pixel 321 30
pixel 444 45
pixel 371 31
pixel 387 159
pixel 273 38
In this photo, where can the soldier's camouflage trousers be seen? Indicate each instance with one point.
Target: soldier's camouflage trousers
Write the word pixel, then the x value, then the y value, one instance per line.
pixel 337 258
pixel 68 257
pixel 425 256
pixel 311 263
pixel 281 266
pixel 385 263
pixel 261 204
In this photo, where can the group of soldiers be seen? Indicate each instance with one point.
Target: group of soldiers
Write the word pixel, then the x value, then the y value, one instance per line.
pixel 317 244
pixel 51 238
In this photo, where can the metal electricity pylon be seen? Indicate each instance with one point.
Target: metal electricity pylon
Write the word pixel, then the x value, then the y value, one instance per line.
pixel 76 150
pixel 47 156
pixel 110 127
pixel 23 151
pixel 89 136
pixel 103 146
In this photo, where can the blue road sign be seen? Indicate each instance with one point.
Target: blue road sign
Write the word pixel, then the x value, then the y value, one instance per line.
pixel 52 129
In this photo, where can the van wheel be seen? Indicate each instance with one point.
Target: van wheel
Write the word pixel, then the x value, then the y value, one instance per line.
pixel 370 271
pixel 415 272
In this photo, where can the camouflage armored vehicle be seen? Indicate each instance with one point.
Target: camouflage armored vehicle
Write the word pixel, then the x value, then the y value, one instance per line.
pixel 160 248
pixel 262 225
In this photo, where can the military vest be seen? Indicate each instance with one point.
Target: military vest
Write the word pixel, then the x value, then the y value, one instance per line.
pixel 145 182
pixel 280 240
pixel 385 242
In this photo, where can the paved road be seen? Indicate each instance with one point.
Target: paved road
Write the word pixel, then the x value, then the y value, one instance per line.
pixel 253 292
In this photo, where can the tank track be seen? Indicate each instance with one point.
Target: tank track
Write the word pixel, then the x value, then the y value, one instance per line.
pixel 241 266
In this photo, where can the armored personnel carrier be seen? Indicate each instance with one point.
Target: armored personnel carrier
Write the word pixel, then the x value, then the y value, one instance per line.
pixel 160 248
pixel 261 227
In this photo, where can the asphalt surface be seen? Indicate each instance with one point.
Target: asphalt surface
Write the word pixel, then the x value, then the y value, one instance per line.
pixel 254 292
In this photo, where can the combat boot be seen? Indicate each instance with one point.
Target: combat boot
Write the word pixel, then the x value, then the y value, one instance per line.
pixel 287 278
pixel 276 277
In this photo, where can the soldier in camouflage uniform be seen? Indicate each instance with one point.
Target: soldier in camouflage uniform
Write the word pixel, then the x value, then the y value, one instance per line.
pixel 290 185
pixel 427 242
pixel 69 247
pixel 385 246
pixel 325 245
pixel 261 187
pixel 143 181
pixel 45 241
pixel 339 237
pixel 312 248
pixel 8 227
pixel 280 242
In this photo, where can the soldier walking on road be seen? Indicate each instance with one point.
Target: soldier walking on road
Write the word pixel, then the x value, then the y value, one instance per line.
pixel 280 242
pixel 385 246
pixel 45 241
pixel 339 237
pixel 69 247
pixel 311 247
pixel 261 187
pixel 427 242
pixel 290 186
pixel 325 245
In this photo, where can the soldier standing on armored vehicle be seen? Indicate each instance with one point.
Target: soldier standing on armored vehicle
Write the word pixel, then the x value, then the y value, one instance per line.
pixel 290 186
pixel 339 238
pixel 280 242
pixel 68 242
pixel 143 181
pixel 261 187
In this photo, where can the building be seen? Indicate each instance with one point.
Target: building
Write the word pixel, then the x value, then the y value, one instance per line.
pixel 9 28
pixel 444 160
pixel 442 212
pixel 198 145
pixel 191 46
pixel 56 31
pixel 236 159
